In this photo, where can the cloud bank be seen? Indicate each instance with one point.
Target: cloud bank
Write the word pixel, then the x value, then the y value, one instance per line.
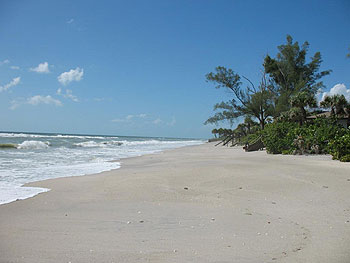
pixel 72 75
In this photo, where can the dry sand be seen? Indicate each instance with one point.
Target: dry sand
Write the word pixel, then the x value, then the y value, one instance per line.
pixel 194 204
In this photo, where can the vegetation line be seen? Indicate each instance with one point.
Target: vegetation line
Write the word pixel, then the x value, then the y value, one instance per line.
pixel 282 109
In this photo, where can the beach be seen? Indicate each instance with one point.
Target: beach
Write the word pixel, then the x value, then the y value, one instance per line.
pixel 192 204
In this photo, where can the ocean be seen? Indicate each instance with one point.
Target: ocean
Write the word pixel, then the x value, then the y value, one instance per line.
pixel 29 157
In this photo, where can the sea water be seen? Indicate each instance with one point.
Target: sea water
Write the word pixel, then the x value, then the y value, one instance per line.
pixel 29 157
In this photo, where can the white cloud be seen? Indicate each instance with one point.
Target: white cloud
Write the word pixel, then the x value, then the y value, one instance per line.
pixel 141 116
pixel 34 101
pixel 41 68
pixel 337 89
pixel 70 21
pixel 6 61
pixel 68 94
pixel 15 104
pixel 14 67
pixel 12 83
pixel 130 117
pixel 38 99
pixel 157 121
pixel 144 119
pixel 72 75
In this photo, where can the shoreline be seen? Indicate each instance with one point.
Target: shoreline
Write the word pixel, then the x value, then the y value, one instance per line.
pixel 29 189
pixel 120 161
pixel 190 204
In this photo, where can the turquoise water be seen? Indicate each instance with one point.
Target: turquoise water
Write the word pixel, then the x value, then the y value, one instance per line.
pixel 29 157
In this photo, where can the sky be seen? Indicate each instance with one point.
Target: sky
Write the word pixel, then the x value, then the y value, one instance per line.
pixel 138 67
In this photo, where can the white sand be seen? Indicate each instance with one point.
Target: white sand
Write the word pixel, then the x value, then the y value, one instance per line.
pixel 239 207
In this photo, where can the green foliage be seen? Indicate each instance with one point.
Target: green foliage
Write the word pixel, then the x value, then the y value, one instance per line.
pixel 249 101
pixel 250 138
pixel 292 74
pixel 340 147
pixel 215 132
pixel 223 132
pixel 315 137
pixel 278 137
pixel 319 132
pixel 337 103
pixel 261 106
pixel 287 152
pixel 301 100
pixel 345 158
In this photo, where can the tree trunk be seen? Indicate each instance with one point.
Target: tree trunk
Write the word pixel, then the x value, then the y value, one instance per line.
pixel 262 120
pixel 262 125
pixel 304 115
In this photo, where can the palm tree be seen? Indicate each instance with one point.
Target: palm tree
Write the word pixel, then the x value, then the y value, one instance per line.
pixel 302 100
pixel 337 103
pixel 214 132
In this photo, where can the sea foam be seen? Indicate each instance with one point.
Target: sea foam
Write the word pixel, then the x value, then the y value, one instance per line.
pixel 33 145
pixel 26 158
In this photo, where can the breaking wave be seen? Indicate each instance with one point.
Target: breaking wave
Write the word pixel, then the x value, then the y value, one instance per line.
pixel 33 145
pixel 26 145
pixel 97 144
pixel 58 136
pixel 33 157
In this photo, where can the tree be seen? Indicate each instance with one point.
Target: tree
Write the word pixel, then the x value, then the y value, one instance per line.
pixel 249 101
pixel 291 73
pixel 337 103
pixel 250 124
pixel 214 132
pixel 302 100
pixel 348 55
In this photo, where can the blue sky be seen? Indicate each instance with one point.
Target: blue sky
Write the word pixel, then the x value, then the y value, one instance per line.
pixel 138 67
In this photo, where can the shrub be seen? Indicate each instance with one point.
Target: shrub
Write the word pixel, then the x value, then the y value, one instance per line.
pixel 319 133
pixel 278 137
pixel 345 158
pixel 313 137
pixel 340 147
